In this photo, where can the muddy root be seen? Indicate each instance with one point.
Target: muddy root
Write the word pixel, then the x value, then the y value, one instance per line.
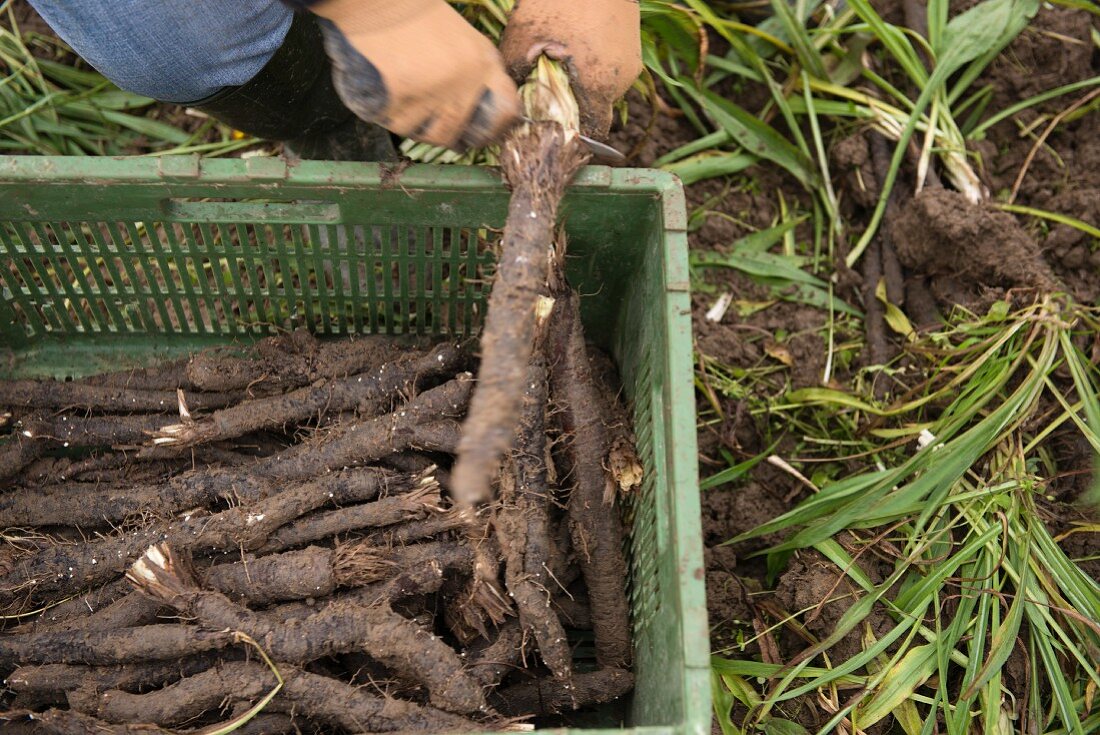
pixel 539 161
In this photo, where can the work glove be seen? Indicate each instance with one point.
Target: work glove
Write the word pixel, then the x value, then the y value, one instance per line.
pixel 599 41
pixel 420 70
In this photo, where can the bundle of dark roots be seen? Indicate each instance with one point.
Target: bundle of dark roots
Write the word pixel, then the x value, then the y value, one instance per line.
pixel 267 538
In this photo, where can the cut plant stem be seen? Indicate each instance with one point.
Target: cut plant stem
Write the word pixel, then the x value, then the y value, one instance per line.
pixel 539 161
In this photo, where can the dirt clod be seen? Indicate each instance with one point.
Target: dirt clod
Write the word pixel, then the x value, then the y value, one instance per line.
pixel 939 233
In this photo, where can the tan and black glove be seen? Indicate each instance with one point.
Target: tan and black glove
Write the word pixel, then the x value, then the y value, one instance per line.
pixel 419 69
pixel 599 41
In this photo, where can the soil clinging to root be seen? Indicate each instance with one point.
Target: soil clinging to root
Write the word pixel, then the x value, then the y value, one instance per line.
pixel 332 554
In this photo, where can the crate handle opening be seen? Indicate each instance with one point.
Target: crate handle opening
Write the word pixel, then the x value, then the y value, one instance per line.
pixel 258 211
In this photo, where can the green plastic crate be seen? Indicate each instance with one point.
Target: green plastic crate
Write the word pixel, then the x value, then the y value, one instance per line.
pixel 117 262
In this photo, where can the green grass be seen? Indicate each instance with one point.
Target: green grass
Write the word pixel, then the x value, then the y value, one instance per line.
pixel 971 506
pixel 50 107
pixel 977 576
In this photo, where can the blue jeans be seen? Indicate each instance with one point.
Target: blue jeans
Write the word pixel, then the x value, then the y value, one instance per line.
pixel 173 50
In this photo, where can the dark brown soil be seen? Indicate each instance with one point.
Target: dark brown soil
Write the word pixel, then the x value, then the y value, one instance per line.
pixel 1064 177
pixel 967 249
pixel 950 253
pixel 814 587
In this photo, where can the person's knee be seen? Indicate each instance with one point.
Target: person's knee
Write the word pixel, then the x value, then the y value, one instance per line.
pixel 172 50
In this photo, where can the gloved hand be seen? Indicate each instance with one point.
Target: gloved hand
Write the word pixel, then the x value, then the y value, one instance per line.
pixel 419 69
pixel 599 41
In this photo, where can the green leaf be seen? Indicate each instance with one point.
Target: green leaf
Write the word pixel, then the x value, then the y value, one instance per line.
pixel 674 30
pixel 1044 639
pixel 699 145
pixel 723 705
pixel 895 317
pixel 782 272
pixel 117 99
pixel 979 132
pixel 761 670
pixel 819 297
pixel 913 612
pixel 742 690
pixel 766 265
pixel 153 129
pixel 725 67
pixel 736 471
pixel 894 40
pixel 831 498
pixel 67 76
pixel 979 30
pixel 708 165
pixel 899 683
pixel 776 27
pixel 755 136
pixel 850 66
pixel 773 726
pixel 828 396
pixel 1004 638
pixel 804 47
pixel 982 32
pixel 761 240
pixel 937 14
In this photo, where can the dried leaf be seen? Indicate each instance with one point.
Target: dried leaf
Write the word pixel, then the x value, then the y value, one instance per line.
pixel 778 352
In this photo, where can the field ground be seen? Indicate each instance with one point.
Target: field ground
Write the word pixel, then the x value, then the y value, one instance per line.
pixel 897 348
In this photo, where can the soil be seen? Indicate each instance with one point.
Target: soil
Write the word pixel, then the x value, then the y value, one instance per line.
pixel 998 253
pixel 951 253
pixel 1064 176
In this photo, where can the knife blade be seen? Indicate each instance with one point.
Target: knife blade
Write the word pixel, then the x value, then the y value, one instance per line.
pixel 596 148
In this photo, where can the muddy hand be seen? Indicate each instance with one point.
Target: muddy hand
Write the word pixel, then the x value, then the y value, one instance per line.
pixel 417 68
pixel 599 41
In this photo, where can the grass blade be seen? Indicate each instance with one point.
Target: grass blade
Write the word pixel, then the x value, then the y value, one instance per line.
pixel 755 136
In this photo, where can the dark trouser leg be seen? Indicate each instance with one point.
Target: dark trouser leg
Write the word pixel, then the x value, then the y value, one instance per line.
pixel 292 99
pixel 251 63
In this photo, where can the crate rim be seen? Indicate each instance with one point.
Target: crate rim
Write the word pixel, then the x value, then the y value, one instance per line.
pixel 58 170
